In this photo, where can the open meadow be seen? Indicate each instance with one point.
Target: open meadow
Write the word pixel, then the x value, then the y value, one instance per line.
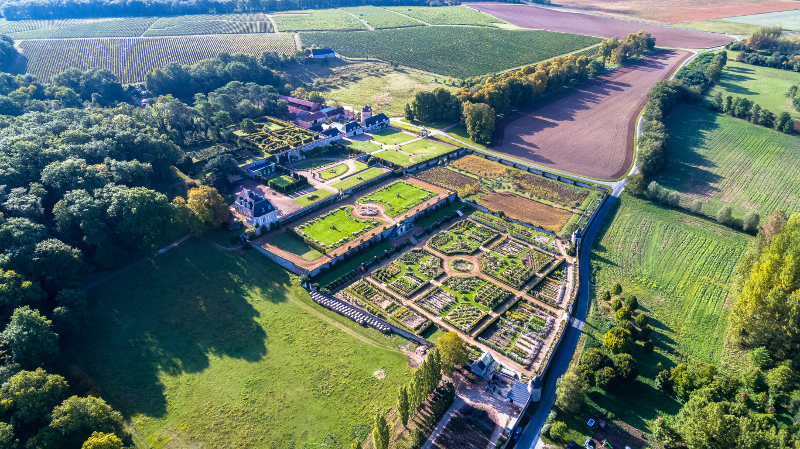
pixel 678 266
pixel 788 20
pixel 764 86
pixel 452 51
pixel 224 350
pixel 722 160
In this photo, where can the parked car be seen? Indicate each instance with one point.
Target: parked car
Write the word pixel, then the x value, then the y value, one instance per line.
pixel 572 445
pixel 517 433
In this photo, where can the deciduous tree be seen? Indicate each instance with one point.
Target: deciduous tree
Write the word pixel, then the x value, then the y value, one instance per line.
pixel 403 406
pixel 479 119
pixel 453 351
pixel 380 433
pixel 30 395
pixel 571 392
pixel 100 440
pixel 618 340
pixel 29 337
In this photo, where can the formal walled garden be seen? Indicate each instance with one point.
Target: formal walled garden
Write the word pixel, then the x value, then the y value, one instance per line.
pixel 398 197
pixel 410 272
pixel 335 228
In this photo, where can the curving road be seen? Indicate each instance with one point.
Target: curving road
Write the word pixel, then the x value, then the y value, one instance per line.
pixel 530 435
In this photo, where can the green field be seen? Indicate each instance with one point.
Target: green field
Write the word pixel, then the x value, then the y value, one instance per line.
pixel 447 15
pixel 425 146
pixel 330 229
pixel 459 132
pixel 789 20
pixel 678 267
pixel 762 85
pixel 397 197
pixel 391 137
pixel 719 26
pixel 296 247
pixel 723 160
pixel 281 180
pixel 333 172
pixel 366 146
pixel 311 198
pixel 452 51
pixel 312 163
pixel 231 357
pixel 382 18
pixel 351 181
pixel 397 157
pixel 317 20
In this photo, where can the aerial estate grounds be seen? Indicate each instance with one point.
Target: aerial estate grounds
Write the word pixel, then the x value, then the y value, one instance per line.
pixel 397 197
pixel 335 228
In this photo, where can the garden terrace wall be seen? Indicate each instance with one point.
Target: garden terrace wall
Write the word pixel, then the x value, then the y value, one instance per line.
pixel 589 222
pixel 367 183
pixel 308 209
pixel 529 168
pixel 430 162
pixel 286 264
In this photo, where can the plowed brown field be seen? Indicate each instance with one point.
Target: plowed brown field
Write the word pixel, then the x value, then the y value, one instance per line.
pixel 577 23
pixel 674 11
pixel 588 130
pixel 521 208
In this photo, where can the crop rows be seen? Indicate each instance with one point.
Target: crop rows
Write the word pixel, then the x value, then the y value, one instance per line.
pixel 464 316
pixel 7 27
pixel 436 301
pixel 211 24
pixel 490 295
pixel 317 20
pixel 463 284
pixel 453 51
pixel 678 267
pixel 129 27
pixel 448 178
pixel 132 59
pixel 382 18
pixel 447 15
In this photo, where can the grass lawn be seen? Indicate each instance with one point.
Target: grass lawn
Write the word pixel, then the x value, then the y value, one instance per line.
pixel 391 137
pixel 312 163
pixel 351 181
pixel 789 20
pixel 762 85
pixel 333 172
pixel 434 124
pixel 366 146
pixel 313 197
pixel 355 262
pixel 459 132
pixel 298 248
pixel 359 166
pixel 343 227
pixel 678 267
pixel 723 160
pixel 223 235
pixel 719 26
pixel 433 333
pixel 398 197
pixel 281 180
pixel 232 357
pixel 396 157
pixel 425 146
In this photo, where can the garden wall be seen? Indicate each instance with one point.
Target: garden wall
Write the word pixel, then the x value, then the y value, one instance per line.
pixel 442 157
pixel 288 265
pixel 308 209
pixel 528 168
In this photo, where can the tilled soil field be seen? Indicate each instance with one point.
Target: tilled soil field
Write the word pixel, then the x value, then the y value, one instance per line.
pixel 577 23
pixel 588 130
pixel 675 11
pixel 521 208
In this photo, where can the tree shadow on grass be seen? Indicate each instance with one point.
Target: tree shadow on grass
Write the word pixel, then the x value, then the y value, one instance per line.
pixel 170 317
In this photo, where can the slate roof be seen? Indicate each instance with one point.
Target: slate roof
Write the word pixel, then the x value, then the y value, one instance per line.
pixel 313 117
pixel 519 393
pixel 316 128
pixel 256 203
pixel 331 132
pixel 374 120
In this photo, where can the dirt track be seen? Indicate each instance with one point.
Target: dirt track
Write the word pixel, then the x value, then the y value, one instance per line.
pixel 588 130
pixel 576 23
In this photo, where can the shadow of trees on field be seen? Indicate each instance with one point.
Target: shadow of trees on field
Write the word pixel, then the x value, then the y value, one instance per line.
pixel 171 317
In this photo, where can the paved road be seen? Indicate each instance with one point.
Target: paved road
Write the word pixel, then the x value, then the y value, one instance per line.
pixel 530 435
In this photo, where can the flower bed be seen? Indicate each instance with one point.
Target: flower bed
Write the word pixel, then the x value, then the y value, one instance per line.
pixel 463 284
pixel 386 274
pixel 536 260
pixel 436 301
pixel 490 295
pixel 465 316
pixel 462 265
pixel 407 285
pixel 447 244
pixel 398 197
pixel 510 248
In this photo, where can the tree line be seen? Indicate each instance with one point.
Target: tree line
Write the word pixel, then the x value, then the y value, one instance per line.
pixel 767 48
pixel 76 9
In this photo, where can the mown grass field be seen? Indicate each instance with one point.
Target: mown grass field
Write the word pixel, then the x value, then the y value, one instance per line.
pixel 722 160
pixel 391 137
pixel 396 157
pixel 311 198
pixel 330 229
pixel 223 350
pixel 298 248
pixel 678 267
pixel 424 146
pixel 351 181
pixel 397 197
pixel 452 51
pixel 366 146
pixel 330 173
pixel 719 26
pixel 762 85
pixel 789 20
pixel 317 20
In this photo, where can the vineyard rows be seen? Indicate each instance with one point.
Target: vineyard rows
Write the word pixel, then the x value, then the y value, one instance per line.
pixel 679 268
pixel 211 24
pixel 132 59
pixel 453 51
pixel 129 27
pixel 7 27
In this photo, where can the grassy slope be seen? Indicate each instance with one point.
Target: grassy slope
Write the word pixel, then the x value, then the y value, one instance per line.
pixel 366 146
pixel 790 20
pixel 678 267
pixel 762 85
pixel 232 357
pixel 726 160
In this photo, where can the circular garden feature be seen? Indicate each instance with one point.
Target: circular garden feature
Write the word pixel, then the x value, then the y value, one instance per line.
pixel 462 265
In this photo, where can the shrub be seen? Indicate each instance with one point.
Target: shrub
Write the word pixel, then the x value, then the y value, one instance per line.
pixel 642 320
pixel 725 215
pixel 622 315
pixel 697 206
pixel 606 296
pixel 616 289
pixel 631 303
pixel 557 430
pixel 551 416
pixel 546 428
pixel 605 378
pixel 616 304
pixel 760 357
